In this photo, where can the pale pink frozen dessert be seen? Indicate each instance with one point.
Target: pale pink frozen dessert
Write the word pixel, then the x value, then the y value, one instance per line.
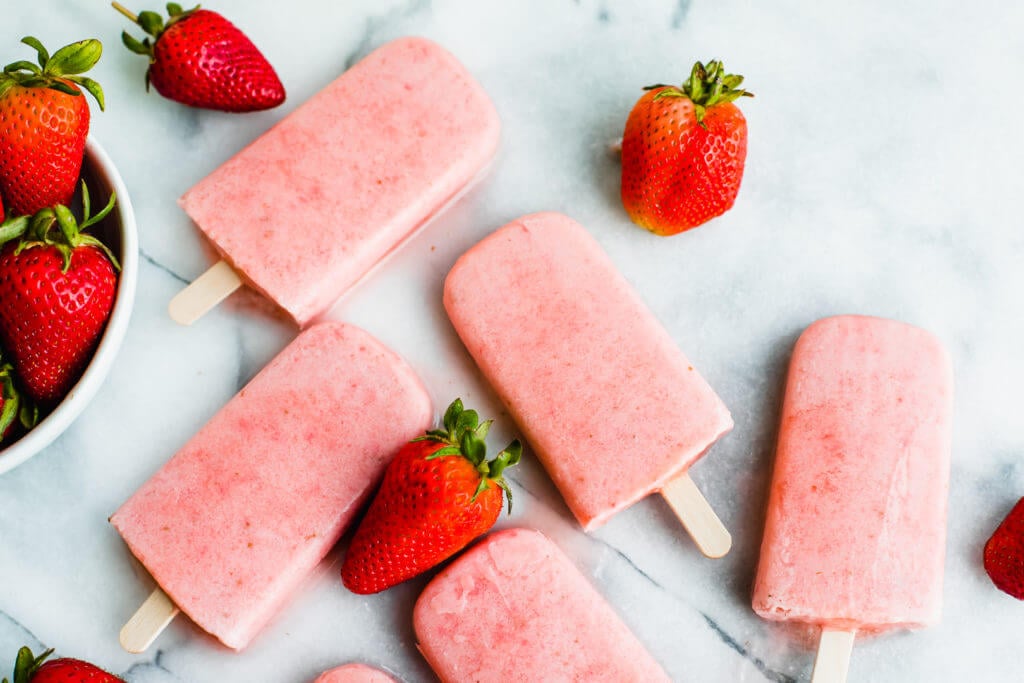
pixel 514 608
pixel 354 673
pixel 604 396
pixel 239 516
pixel 856 530
pixel 308 208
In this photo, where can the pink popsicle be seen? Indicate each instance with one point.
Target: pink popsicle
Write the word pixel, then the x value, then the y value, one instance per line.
pixel 856 526
pixel 514 608
pixel 354 673
pixel 307 209
pixel 607 400
pixel 231 525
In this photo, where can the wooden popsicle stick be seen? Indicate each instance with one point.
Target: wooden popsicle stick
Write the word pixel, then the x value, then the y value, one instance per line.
pixel 205 292
pixel 833 659
pixel 694 511
pixel 148 622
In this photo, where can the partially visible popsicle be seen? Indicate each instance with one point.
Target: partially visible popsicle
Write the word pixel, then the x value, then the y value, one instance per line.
pixel 856 528
pixel 607 400
pixel 306 210
pixel 231 525
pixel 354 673
pixel 515 608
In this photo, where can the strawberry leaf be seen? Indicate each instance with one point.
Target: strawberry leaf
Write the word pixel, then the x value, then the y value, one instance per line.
pixel 76 58
pixel 22 65
pixel 452 414
pixel 92 87
pixel 133 44
pixel 11 399
pixel 473 448
pixel 13 228
pixel 26 665
pixel 42 53
pixel 63 87
pixel 151 22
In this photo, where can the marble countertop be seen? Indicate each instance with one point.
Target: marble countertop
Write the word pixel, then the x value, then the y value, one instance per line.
pixel 882 178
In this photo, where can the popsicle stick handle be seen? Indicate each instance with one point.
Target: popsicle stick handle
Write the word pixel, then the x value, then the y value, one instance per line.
pixel 205 292
pixel 701 522
pixel 833 659
pixel 148 622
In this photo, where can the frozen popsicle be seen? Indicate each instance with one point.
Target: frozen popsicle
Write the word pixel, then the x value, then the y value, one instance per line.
pixel 515 608
pixel 855 534
pixel 608 402
pixel 354 673
pixel 308 208
pixel 232 524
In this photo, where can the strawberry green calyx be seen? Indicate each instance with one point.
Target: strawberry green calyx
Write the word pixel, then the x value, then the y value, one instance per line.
pixel 464 435
pixel 57 227
pixel 153 24
pixel 57 71
pixel 707 86
pixel 27 664
pixel 15 405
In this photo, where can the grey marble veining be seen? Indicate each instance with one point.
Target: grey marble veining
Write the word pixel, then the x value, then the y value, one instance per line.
pixel 882 178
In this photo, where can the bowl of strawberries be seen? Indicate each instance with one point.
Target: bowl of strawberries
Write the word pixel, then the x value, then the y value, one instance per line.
pixel 68 250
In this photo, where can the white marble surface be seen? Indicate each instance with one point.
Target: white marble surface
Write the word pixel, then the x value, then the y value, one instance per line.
pixel 882 178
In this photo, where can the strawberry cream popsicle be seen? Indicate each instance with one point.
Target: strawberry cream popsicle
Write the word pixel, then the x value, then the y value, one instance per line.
pixel 856 527
pixel 514 608
pixel 233 523
pixel 354 673
pixel 306 210
pixel 608 402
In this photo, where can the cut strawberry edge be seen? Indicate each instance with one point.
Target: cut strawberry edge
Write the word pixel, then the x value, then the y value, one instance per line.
pixel 1004 553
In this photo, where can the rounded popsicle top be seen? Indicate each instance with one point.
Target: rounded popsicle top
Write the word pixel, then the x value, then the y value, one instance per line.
pixel 874 329
pixel 515 608
pixel 310 207
pixel 856 525
pixel 354 673
pixel 587 371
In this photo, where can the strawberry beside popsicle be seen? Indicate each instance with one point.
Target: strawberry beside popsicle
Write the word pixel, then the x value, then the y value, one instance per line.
pixel 231 525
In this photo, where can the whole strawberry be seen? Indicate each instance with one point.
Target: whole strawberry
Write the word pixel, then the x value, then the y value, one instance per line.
pixel 201 59
pixel 15 410
pixel 57 287
pixel 44 120
pixel 1004 553
pixel 31 669
pixel 438 494
pixel 683 151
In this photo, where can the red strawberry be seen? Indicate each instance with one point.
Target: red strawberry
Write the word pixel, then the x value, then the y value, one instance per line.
pixel 201 59
pixel 44 119
pixel 1004 553
pixel 31 669
pixel 438 494
pixel 15 409
pixel 56 291
pixel 683 151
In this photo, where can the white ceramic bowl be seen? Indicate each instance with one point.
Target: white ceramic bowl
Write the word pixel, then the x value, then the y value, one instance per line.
pixel 117 231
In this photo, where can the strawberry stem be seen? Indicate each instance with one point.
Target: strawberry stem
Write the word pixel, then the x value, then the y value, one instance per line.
pixel 464 435
pixel 38 230
pixel 707 86
pixel 132 16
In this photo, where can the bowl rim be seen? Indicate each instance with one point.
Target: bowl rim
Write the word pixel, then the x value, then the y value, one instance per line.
pixel 54 424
